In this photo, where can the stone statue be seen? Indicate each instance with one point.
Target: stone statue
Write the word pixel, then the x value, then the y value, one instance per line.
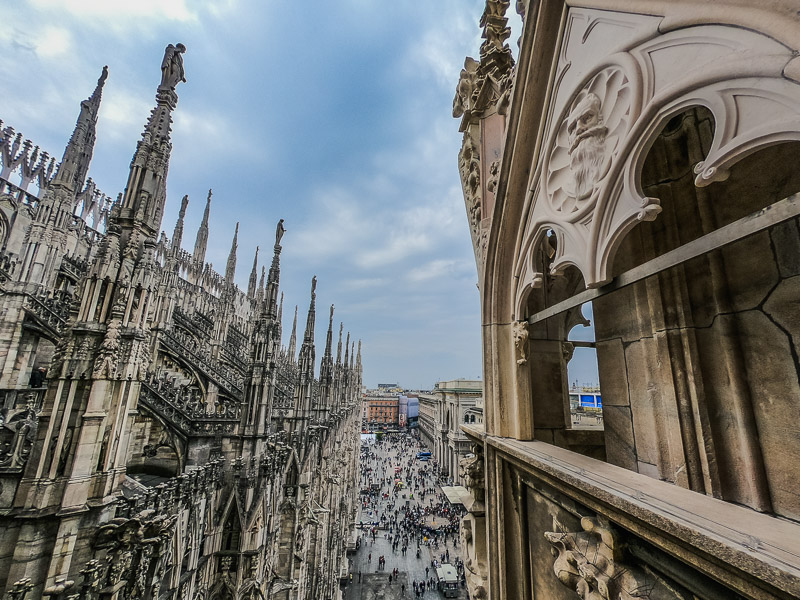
pixel 172 71
pixel 521 341
pixel 472 472
pixel 465 88
pixel 587 140
pixel 279 231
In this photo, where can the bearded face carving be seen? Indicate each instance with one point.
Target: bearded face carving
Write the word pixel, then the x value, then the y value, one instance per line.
pixel 587 140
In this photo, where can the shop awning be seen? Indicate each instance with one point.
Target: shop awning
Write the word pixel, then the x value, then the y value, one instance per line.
pixel 456 494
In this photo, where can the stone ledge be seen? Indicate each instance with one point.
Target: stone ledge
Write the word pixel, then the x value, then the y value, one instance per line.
pixel 757 554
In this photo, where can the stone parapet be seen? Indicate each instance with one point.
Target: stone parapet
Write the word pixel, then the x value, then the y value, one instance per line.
pixel 661 535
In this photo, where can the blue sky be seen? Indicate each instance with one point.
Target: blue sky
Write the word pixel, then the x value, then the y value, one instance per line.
pixel 335 116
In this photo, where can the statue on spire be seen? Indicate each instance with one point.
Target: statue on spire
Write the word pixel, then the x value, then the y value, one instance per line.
pixel 172 71
pixel 279 231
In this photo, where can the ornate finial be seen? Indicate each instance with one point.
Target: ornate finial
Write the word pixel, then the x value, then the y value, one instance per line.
pixel 184 204
pixel 314 286
pixel 279 231
pixel 103 76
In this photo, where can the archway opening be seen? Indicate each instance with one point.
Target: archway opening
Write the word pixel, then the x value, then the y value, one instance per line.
pixel 696 356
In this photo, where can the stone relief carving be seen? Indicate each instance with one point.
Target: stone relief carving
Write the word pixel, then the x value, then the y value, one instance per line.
pixel 470 168
pixel 105 363
pixel 591 563
pixel 473 525
pixel 17 434
pixel 587 140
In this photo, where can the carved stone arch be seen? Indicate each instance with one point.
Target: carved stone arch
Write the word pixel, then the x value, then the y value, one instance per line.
pixel 231 538
pixel 223 590
pixel 738 77
pixel 728 148
pixel 198 376
pixel 540 262
pixel 250 590
pixel 176 441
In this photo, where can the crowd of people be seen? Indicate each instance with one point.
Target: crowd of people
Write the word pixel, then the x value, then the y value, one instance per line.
pixel 401 502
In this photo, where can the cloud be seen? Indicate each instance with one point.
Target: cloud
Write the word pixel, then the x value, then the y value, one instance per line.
pixel 120 11
pixel 438 269
pixel 123 113
pixel 365 283
pixel 52 41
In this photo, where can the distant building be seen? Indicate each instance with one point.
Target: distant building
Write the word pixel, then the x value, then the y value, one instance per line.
pixel 402 410
pixel 382 411
pixel 441 414
pixel 413 411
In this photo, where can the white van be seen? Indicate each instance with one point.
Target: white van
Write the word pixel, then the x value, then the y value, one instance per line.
pixel 448 580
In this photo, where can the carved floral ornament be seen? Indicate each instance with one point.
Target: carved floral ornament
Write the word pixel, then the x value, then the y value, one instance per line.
pixel 586 190
pixel 591 562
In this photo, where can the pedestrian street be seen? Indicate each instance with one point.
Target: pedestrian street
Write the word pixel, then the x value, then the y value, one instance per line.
pixel 408 528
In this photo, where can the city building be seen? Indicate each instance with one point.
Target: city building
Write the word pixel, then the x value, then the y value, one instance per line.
pixel 402 410
pixel 413 410
pixel 382 410
pixel 441 414
pixel 156 438
pixel 640 156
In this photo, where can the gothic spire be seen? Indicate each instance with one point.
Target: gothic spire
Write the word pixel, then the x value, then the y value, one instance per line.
pixel 352 354
pixel 312 314
pixel 230 268
pixel 273 280
pixel 279 324
pixel 78 154
pixel 251 284
pixel 347 351
pixel 293 338
pixel 339 350
pixel 358 356
pixel 260 296
pixel 177 235
pixel 201 243
pixel 146 190
pixel 329 341
pixel 307 350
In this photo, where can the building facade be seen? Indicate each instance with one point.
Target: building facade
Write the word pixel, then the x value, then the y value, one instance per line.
pixel 441 414
pixel 156 438
pixel 641 156
pixel 383 410
pixel 428 417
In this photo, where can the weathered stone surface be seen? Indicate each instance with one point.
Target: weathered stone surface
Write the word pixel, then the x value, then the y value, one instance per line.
pixel 682 136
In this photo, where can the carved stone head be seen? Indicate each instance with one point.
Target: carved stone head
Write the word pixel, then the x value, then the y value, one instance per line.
pixel 587 137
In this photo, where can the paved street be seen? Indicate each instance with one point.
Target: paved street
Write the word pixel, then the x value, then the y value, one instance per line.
pixel 422 517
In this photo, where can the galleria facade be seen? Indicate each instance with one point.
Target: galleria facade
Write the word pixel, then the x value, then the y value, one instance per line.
pixel 156 438
pixel 641 157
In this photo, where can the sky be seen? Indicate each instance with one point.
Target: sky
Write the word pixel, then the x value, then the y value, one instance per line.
pixel 335 116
